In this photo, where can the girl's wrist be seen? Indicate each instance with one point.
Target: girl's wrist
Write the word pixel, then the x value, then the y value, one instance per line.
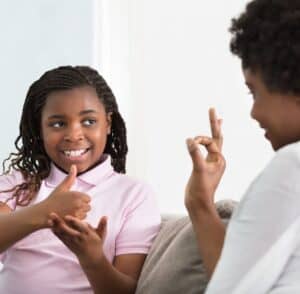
pixel 40 216
pixel 92 264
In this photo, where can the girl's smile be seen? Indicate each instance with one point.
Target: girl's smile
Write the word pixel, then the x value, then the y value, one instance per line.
pixel 75 126
pixel 76 155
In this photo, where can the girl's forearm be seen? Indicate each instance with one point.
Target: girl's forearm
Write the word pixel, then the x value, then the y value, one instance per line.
pixel 210 234
pixel 17 225
pixel 106 279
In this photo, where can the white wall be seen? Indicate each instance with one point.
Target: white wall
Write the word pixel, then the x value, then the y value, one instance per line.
pixel 179 65
pixel 35 36
pixel 167 62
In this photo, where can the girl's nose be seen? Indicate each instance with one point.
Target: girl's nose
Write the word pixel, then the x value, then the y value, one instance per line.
pixel 74 134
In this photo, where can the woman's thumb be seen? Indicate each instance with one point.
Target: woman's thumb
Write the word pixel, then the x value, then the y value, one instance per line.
pixel 194 152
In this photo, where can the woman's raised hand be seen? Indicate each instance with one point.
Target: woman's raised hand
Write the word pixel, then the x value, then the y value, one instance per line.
pixel 207 172
pixel 63 201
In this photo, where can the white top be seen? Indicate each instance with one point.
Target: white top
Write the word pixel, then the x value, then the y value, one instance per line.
pixel 261 253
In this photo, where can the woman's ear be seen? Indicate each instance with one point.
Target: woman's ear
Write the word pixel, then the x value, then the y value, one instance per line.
pixel 109 120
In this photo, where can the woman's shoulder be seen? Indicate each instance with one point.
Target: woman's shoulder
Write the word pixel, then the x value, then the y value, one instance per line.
pixel 286 160
pixel 289 151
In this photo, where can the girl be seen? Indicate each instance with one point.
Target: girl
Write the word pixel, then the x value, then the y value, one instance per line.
pixel 66 176
pixel 261 252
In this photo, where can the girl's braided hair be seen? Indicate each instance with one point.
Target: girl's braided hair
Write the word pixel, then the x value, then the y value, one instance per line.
pixel 31 158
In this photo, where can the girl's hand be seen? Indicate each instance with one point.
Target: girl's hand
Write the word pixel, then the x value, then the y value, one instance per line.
pixel 81 238
pixel 207 172
pixel 64 202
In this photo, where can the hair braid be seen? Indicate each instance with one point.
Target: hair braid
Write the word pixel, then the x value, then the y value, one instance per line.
pixel 31 158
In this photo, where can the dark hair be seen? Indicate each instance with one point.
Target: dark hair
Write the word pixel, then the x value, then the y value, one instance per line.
pixel 31 158
pixel 267 39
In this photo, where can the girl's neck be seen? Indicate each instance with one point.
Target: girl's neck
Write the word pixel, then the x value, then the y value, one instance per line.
pixel 102 158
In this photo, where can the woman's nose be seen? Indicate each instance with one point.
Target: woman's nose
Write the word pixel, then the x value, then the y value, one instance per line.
pixel 253 112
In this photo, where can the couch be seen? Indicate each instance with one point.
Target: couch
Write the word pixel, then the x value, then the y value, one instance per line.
pixel 173 264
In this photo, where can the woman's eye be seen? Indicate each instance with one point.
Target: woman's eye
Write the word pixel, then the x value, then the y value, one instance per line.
pixel 89 122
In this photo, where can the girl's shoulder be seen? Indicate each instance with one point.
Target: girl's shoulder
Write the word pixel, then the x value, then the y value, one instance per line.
pixel 132 182
pixel 7 184
pixel 132 189
pixel 11 179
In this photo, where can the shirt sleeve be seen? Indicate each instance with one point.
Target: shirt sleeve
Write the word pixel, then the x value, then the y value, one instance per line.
pixel 266 221
pixel 141 224
pixel 7 182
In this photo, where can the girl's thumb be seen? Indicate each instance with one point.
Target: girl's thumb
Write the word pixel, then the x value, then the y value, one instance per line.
pixel 69 180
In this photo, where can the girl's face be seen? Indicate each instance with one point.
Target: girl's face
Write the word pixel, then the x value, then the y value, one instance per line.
pixel 74 128
pixel 278 114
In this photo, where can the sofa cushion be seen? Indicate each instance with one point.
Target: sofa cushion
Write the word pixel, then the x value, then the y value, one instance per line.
pixel 173 264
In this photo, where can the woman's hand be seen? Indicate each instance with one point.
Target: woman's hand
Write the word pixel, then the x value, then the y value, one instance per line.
pixel 64 202
pixel 207 172
pixel 81 238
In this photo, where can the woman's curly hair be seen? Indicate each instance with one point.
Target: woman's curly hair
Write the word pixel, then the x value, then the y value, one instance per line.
pixel 31 158
pixel 267 39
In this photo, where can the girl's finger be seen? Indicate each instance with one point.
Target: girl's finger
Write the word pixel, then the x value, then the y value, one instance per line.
pixel 60 226
pixel 76 224
pixel 66 239
pixel 102 228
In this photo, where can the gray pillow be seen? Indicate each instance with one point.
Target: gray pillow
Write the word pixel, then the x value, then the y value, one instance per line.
pixel 173 264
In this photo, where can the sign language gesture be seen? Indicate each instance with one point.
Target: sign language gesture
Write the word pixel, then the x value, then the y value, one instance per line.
pixel 81 238
pixel 207 172
pixel 64 202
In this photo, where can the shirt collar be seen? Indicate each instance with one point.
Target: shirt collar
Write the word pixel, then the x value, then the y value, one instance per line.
pixel 92 177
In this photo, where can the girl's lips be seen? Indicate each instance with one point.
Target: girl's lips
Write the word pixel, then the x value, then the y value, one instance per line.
pixel 75 155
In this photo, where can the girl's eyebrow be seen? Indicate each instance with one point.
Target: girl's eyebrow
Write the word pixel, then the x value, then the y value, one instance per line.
pixel 87 111
pixel 83 112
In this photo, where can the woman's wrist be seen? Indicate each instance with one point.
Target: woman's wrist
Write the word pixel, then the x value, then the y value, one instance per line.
pixel 197 209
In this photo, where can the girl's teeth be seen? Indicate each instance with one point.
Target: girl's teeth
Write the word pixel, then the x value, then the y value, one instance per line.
pixel 74 152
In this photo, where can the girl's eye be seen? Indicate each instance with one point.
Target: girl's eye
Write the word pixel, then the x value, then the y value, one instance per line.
pixel 57 124
pixel 89 122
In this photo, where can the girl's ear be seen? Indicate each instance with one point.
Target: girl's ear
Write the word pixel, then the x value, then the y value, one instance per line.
pixel 109 120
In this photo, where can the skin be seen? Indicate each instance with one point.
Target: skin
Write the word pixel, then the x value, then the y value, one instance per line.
pixel 74 120
pixel 279 115
pixel 276 113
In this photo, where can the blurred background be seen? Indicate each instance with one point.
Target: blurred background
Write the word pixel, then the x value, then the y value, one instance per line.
pixel 167 61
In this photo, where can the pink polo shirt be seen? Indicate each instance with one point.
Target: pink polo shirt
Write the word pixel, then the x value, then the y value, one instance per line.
pixel 41 263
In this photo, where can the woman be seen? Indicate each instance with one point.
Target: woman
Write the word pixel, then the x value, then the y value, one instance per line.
pixel 260 252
